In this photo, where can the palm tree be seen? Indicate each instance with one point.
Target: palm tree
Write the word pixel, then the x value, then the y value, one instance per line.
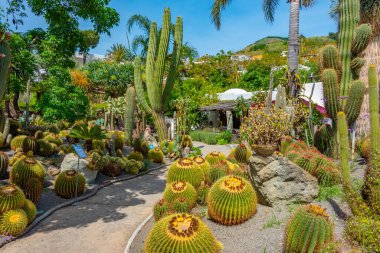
pixel 140 41
pixel 370 13
pixel 269 8
pixel 119 53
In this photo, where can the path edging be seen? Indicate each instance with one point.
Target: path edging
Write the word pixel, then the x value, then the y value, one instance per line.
pixel 136 232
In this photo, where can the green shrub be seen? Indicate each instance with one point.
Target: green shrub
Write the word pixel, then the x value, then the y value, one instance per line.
pixel 210 138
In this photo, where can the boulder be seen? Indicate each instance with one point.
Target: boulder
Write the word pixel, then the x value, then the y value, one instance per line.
pixel 278 181
pixel 70 162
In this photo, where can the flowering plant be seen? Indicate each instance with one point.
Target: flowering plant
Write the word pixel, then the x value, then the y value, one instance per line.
pixel 261 128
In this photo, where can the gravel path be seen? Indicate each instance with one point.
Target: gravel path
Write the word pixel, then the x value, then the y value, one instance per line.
pixel 101 224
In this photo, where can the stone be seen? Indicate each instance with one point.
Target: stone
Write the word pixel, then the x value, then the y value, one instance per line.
pixel 70 162
pixel 53 171
pixel 278 181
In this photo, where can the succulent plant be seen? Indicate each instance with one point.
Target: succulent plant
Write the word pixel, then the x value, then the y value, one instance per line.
pixel 181 233
pixel 4 163
pixel 156 155
pixel 231 200
pixel 44 148
pixel 220 170
pixel 161 208
pixel 115 166
pixel 328 175
pixel 181 205
pixel 30 210
pixel 19 155
pixel 186 170
pixel 305 162
pixel 39 135
pixel 241 170
pixel 28 144
pixel 133 167
pixel 54 138
pixel 179 189
pixel 202 190
pixel 119 141
pixel 99 145
pixel 17 142
pixel 65 184
pixel 136 155
pixel 309 230
pixel 241 153
pixel 186 141
pixel 11 197
pixel 13 222
pixel 119 153
pixel 215 157
pixel 33 189
pixel 25 169
pixel 167 147
pixel 205 166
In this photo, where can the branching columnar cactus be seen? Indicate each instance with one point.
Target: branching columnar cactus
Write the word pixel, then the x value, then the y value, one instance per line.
pixel 309 230
pixel 181 189
pixel 215 157
pixel 5 63
pixel 181 233
pixel 186 170
pixel 13 222
pixel 156 155
pixel 30 210
pixel 4 163
pixel 342 90
pixel 11 197
pixel 231 200
pixel 158 91
pixel 25 169
pixel 130 107
pixel 65 184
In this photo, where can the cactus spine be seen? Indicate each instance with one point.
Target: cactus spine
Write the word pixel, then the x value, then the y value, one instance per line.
pixel 130 103
pixel 158 91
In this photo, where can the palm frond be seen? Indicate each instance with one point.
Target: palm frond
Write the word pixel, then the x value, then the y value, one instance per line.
pixel 140 21
pixel 269 9
pixel 217 8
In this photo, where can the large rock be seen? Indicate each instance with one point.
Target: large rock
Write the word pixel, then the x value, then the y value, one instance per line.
pixel 279 182
pixel 70 162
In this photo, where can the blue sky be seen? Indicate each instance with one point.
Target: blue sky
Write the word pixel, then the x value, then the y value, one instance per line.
pixel 242 22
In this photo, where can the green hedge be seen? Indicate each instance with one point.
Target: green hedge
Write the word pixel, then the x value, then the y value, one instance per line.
pixel 211 138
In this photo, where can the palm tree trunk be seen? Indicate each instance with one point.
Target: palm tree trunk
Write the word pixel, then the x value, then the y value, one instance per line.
pixel 372 56
pixel 293 46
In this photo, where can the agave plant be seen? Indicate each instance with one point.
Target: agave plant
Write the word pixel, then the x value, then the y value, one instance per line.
pixel 86 133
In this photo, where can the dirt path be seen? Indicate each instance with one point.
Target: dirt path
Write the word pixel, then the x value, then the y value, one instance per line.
pixel 101 224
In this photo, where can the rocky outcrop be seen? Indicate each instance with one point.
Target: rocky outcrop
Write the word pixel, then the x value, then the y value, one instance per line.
pixel 278 181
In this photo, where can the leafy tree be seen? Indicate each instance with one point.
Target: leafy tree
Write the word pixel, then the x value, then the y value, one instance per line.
pixel 62 100
pixel 89 40
pixel 23 66
pixel 110 77
pixel 119 53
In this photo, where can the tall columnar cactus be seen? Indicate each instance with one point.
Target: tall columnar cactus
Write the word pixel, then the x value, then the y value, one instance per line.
pixel 130 103
pixel 5 63
pixel 374 110
pixel 158 90
pixel 341 66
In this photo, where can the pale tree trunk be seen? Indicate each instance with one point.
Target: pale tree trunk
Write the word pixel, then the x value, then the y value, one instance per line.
pixel 293 46
pixel 372 56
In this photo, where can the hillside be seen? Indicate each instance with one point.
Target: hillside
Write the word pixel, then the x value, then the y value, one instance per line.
pixel 274 44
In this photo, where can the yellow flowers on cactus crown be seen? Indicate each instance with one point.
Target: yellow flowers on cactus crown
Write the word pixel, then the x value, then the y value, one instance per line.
pixel 7 190
pixel 186 162
pixel 233 184
pixel 179 186
pixel 15 218
pixel 317 210
pixel 183 225
pixel 215 153
pixel 199 160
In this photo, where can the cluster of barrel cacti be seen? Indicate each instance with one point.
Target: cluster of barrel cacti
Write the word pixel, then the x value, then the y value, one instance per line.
pixel 314 162
pixel 16 211
pixel 187 170
pixel 158 90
